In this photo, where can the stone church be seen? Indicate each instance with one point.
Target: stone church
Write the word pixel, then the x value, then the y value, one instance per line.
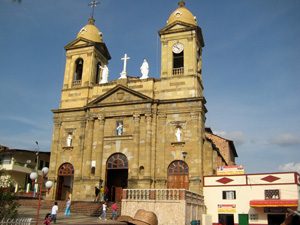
pixel 134 133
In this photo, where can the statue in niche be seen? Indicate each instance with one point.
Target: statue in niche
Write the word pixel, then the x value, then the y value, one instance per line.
pixel 104 74
pixel 69 140
pixel 178 134
pixel 119 128
pixel 145 69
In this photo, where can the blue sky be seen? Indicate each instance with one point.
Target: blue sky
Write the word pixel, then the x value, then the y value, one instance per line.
pixel 250 67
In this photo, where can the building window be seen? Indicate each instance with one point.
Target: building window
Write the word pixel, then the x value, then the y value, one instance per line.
pixel 41 164
pixel 253 217
pixel 272 194
pixel 98 75
pixel 178 63
pixel 229 195
pixel 78 72
pixel 6 159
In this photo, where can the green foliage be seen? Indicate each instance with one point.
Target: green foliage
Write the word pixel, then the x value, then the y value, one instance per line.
pixel 8 205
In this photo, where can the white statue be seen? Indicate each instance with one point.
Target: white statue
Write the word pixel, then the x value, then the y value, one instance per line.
pixel 104 74
pixel 145 69
pixel 69 140
pixel 178 134
pixel 119 129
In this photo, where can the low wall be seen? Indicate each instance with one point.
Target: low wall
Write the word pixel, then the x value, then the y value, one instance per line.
pixel 172 206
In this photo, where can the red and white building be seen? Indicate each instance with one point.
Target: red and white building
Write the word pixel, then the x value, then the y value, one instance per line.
pixel 250 198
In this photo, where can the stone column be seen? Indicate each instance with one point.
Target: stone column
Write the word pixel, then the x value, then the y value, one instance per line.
pixel 53 167
pixel 197 163
pixel 87 153
pixel 148 146
pixel 99 158
pixel 82 125
pixel 160 175
pixel 136 140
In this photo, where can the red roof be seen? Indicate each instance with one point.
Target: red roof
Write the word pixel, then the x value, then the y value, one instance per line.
pixel 274 203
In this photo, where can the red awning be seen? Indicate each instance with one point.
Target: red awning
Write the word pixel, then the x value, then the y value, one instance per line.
pixel 274 203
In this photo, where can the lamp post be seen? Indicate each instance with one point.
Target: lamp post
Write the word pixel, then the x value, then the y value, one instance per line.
pixel 36 166
pixel 48 184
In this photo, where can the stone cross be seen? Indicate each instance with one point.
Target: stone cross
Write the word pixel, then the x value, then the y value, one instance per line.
pixel 124 73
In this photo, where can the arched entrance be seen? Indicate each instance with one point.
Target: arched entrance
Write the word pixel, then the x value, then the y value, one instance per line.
pixel 116 176
pixel 64 181
pixel 178 175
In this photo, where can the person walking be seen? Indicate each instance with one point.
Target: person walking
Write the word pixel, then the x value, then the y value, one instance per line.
pixel 105 193
pixel 114 211
pixel 68 204
pixel 104 208
pixel 54 212
pixel 97 191
pixel 47 219
pixel 102 194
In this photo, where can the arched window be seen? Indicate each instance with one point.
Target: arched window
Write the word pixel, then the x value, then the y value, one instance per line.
pixel 117 161
pixel 178 175
pixel 98 71
pixel 178 63
pixel 66 169
pixel 78 71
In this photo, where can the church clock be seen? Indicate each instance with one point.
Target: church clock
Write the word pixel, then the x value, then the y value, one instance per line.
pixel 177 48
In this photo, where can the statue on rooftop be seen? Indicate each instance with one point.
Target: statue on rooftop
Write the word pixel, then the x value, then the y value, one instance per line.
pixel 145 69
pixel 104 74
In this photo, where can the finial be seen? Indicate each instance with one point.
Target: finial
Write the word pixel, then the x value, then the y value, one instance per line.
pixel 181 3
pixel 93 5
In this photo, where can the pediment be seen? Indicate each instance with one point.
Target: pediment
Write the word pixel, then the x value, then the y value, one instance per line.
pixel 177 26
pixel 120 95
pixel 79 42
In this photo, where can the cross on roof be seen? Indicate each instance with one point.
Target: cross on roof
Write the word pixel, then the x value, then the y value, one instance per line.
pixel 93 4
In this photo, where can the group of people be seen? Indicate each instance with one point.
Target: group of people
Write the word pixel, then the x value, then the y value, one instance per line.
pixel 52 217
pixel 103 194
pixel 99 193
pixel 104 209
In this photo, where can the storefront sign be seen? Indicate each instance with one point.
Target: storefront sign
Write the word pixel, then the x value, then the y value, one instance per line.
pixel 230 170
pixel 227 208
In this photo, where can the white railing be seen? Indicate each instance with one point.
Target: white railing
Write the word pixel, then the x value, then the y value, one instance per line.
pixel 178 71
pixel 162 194
pixel 76 83
pixel 22 221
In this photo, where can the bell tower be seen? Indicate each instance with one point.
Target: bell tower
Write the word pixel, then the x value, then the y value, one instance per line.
pixel 181 45
pixel 84 58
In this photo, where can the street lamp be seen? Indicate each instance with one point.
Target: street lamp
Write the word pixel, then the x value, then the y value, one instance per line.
pixel 36 166
pixel 48 184
pixel 184 155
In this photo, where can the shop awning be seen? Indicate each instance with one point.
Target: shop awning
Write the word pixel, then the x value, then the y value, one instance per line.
pixel 274 203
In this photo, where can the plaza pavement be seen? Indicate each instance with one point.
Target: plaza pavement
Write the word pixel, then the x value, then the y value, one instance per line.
pixel 74 218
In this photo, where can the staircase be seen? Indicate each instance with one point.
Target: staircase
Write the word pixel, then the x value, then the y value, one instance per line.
pixel 80 207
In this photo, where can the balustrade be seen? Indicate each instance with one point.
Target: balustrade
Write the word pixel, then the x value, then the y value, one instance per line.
pixel 163 195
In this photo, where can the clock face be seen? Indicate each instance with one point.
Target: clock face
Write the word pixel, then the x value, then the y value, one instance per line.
pixel 177 48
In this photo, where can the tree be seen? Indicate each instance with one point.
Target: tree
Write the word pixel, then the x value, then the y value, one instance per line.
pixel 19 1
pixel 8 205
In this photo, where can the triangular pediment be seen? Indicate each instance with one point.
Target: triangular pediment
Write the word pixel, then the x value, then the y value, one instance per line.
pixel 120 95
pixel 78 43
pixel 176 27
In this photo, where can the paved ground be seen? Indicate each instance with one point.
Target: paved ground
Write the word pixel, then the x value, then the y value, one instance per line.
pixel 74 219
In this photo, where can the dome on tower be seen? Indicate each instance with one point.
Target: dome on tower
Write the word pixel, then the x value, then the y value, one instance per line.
pixel 90 32
pixel 183 15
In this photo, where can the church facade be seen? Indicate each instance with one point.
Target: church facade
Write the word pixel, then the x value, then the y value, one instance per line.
pixel 133 133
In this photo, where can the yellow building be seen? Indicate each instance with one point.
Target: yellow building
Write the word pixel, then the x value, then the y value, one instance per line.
pixel 133 133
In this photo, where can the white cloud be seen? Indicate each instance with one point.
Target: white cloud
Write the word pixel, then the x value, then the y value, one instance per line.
pixel 289 167
pixel 284 140
pixel 236 136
